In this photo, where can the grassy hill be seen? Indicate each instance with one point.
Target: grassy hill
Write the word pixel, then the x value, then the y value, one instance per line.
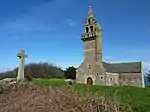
pixel 137 98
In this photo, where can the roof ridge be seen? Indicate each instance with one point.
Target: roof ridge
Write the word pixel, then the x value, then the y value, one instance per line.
pixel 126 62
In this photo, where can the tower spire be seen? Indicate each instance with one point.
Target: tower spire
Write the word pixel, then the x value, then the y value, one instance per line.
pixel 90 14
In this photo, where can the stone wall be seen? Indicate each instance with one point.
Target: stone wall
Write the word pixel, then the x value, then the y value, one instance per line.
pixel 80 75
pixel 112 78
pixel 133 79
pixel 83 72
pixel 100 77
pixel 94 71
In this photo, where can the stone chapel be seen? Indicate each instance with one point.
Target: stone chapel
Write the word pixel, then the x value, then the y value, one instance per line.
pixel 94 71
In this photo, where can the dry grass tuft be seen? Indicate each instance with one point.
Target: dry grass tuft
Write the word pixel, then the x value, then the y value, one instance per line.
pixel 34 98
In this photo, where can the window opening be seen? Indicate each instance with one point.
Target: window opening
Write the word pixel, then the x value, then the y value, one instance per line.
pixel 91 28
pixel 87 30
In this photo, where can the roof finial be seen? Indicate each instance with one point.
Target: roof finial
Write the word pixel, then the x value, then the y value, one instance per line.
pixel 90 12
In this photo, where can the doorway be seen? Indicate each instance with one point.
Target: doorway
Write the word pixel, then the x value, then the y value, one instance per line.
pixel 89 81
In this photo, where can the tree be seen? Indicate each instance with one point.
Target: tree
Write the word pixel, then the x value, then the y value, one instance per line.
pixel 148 76
pixel 37 70
pixel 70 73
pixel 148 73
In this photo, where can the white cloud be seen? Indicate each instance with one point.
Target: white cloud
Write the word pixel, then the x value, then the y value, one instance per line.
pixel 38 18
pixel 28 23
pixel 71 22
pixel 109 59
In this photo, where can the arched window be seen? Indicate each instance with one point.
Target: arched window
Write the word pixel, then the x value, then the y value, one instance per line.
pixel 87 30
pixel 91 28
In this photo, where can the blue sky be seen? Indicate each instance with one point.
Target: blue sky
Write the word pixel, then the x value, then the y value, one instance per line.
pixel 49 30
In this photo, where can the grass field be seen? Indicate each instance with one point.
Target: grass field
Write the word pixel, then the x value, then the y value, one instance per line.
pixel 137 98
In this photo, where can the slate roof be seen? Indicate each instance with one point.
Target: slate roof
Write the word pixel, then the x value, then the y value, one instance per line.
pixel 131 67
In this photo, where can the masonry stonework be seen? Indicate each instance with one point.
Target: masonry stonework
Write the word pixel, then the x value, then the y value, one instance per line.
pixel 100 72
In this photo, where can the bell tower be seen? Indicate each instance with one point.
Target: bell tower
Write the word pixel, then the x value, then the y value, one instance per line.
pixel 91 70
pixel 92 38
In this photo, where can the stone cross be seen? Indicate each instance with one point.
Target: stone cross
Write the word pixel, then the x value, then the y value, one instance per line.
pixel 22 57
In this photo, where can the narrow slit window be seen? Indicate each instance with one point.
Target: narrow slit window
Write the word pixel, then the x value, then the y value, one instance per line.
pixel 89 21
pixel 89 66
